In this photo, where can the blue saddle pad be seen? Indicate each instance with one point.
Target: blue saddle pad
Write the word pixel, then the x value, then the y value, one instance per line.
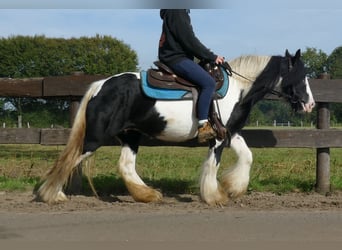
pixel 175 94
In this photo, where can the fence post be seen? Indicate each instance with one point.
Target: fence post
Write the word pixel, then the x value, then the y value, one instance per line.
pixel 74 105
pixel 323 154
pixel 75 182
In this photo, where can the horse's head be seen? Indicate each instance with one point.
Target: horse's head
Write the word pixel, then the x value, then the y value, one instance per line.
pixel 295 86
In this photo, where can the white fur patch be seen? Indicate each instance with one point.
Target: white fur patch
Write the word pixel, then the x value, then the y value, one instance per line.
pixel 127 166
pixel 237 176
pixel 181 121
pixel 208 182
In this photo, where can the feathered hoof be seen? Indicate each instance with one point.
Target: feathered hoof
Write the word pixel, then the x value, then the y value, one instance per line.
pixel 220 202
pixel 234 186
pixel 236 194
pixel 50 197
pixel 141 193
pixel 217 198
pixel 234 191
pixel 150 195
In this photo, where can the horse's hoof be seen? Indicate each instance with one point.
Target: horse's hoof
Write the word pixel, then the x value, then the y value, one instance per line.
pixel 215 198
pixel 142 193
pixel 219 201
pixel 61 197
pixel 150 195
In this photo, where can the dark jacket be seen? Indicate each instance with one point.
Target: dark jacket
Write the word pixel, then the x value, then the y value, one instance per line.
pixel 178 40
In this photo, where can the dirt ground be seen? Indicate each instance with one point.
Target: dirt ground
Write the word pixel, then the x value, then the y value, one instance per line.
pixel 24 202
pixel 254 221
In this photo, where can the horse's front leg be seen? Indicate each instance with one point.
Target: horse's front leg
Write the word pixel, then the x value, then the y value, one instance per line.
pixel 235 179
pixel 211 191
pixel 135 185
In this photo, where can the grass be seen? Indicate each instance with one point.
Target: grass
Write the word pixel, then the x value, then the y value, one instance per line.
pixel 174 170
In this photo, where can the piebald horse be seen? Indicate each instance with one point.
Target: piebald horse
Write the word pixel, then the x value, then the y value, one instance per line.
pixel 116 107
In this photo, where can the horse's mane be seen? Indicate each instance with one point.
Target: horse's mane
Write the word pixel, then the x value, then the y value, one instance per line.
pixel 249 66
pixel 262 73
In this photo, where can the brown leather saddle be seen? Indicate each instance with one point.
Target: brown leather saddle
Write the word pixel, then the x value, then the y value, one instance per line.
pixel 163 77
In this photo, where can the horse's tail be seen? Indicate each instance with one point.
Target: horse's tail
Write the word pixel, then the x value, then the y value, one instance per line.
pixel 51 190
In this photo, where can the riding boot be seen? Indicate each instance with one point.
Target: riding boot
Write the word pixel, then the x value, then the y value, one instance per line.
pixel 205 133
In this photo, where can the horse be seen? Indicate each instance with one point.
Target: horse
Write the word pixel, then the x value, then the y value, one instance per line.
pixel 116 108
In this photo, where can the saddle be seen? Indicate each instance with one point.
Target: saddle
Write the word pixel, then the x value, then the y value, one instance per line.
pixel 164 78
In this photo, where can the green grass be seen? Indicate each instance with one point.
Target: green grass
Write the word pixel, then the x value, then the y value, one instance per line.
pixel 174 170
pixel 17 184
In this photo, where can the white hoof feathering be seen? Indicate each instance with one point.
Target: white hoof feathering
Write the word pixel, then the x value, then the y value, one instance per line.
pixel 51 195
pixel 211 191
pixel 235 180
pixel 135 185
pixel 61 197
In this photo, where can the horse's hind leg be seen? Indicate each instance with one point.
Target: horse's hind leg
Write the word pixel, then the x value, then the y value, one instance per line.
pixel 135 185
pixel 235 179
pixel 51 191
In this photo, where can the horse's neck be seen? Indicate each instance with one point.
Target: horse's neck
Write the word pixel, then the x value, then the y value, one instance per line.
pixel 262 75
pixel 249 67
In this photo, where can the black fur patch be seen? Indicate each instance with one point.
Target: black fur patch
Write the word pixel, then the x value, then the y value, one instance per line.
pixel 119 106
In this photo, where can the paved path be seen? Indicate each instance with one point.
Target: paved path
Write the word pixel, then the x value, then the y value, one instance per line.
pixel 198 229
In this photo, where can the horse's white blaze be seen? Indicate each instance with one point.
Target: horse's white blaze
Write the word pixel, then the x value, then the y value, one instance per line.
pixel 307 107
pixel 236 178
pixel 127 166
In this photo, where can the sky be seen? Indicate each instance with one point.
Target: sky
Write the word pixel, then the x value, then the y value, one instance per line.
pixel 230 28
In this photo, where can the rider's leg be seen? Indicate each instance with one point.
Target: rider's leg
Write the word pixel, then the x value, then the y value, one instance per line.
pixel 194 73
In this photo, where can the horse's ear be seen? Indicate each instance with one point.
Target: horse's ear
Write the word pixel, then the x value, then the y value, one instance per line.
pixel 297 55
pixel 287 53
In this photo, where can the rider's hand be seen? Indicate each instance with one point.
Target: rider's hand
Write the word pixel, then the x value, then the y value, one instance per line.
pixel 219 60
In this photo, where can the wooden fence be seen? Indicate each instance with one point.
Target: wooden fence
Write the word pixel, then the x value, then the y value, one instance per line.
pixel 73 87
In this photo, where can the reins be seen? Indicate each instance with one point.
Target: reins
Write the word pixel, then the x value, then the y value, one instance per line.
pixel 230 72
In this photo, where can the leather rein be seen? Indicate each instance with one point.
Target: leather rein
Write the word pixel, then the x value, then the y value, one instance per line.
pixel 230 72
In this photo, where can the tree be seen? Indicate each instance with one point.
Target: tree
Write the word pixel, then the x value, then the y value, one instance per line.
pixel 335 70
pixel 39 56
pixel 335 63
pixel 23 56
pixel 315 62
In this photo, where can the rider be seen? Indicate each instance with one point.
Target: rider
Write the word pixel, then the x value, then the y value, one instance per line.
pixel 178 46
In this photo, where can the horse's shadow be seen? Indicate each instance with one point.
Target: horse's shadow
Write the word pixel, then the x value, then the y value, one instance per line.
pixel 111 188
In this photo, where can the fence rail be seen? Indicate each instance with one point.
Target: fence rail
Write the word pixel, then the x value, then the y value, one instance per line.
pixel 256 138
pixel 73 87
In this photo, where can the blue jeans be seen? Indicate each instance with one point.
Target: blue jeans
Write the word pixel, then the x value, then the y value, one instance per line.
pixel 191 71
